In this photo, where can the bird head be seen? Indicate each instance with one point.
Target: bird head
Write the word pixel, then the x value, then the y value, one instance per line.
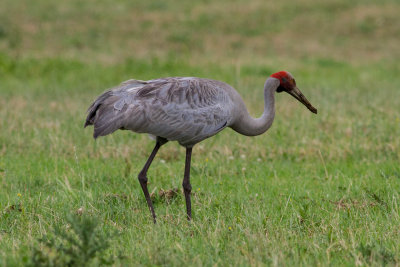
pixel 288 85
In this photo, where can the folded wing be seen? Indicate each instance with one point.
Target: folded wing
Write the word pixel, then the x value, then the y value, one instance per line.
pixel 186 110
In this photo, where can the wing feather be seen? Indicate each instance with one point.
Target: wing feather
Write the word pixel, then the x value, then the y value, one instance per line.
pixel 187 110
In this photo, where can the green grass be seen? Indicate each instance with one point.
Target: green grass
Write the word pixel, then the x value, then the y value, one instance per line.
pixel 314 190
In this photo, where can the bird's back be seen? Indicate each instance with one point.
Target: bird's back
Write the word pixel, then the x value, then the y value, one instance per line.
pixel 186 109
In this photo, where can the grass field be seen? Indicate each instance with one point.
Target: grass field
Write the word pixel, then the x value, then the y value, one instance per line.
pixel 314 190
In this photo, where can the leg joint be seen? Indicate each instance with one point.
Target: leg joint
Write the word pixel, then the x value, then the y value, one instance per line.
pixel 187 186
pixel 142 177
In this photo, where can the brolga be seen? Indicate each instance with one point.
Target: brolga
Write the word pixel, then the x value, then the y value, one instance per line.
pixel 184 109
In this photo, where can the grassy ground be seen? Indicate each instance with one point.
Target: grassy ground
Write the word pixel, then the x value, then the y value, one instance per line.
pixel 314 190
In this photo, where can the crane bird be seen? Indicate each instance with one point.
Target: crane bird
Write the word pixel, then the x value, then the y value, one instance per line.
pixel 184 109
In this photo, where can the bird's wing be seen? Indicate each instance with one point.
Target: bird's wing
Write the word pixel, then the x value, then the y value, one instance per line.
pixel 182 109
pixel 108 112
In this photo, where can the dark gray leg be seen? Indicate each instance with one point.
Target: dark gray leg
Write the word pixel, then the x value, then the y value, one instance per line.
pixel 187 188
pixel 143 179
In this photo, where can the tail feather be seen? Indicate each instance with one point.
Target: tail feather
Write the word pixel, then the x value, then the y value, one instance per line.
pixel 103 116
pixel 92 110
pixel 107 121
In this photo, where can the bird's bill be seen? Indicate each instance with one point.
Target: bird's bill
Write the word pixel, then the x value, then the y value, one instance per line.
pixel 296 93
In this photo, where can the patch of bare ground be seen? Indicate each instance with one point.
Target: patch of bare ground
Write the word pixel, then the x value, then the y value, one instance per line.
pixel 346 204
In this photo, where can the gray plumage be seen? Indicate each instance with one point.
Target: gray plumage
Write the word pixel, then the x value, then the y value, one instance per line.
pixel 187 110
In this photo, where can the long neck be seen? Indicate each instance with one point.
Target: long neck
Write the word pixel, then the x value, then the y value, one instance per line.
pixel 250 126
